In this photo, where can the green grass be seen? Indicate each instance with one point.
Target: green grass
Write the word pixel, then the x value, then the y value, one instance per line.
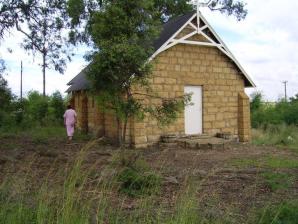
pixel 186 210
pixel 70 203
pixel 284 213
pixel 134 182
pixel 56 204
pixel 135 177
pixel 274 176
pixel 277 180
pixel 41 134
pixel 266 162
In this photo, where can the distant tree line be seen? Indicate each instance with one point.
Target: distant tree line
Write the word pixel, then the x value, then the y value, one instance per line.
pixel 281 112
pixel 33 110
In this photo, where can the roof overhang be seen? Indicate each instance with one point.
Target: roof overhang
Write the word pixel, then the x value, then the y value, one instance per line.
pixel 169 38
pixel 201 27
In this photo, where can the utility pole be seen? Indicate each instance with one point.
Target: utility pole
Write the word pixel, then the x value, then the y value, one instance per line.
pixel 285 83
pixel 21 80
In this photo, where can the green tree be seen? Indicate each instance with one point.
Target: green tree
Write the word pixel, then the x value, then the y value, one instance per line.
pixel 37 106
pixel 256 101
pixel 122 33
pixel 82 11
pixel 6 97
pixel 5 93
pixel 12 11
pixel 256 109
pixel 294 99
pixel 44 35
pixel 44 24
pixel 57 105
pixel 172 8
pixel 123 37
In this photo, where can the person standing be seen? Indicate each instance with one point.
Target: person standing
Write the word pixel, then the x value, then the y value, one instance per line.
pixel 70 119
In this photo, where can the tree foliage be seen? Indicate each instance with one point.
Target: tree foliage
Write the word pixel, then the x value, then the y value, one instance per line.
pixel 34 109
pixel 37 106
pixel 12 11
pixel 122 34
pixel 82 11
pixel 56 105
pixel 45 35
pixel 43 24
pixel 263 113
pixel 5 92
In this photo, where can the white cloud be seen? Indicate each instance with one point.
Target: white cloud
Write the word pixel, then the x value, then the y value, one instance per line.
pixel 32 72
pixel 265 43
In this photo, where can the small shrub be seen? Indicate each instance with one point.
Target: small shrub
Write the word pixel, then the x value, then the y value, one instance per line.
pixel 57 107
pixel 137 183
pixel 37 106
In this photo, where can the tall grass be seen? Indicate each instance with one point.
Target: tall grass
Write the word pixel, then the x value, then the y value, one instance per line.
pixel 278 214
pixel 83 200
pixel 72 203
pixel 59 204
pixel 279 135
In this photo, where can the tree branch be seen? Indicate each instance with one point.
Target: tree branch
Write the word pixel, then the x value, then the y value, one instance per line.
pixel 29 37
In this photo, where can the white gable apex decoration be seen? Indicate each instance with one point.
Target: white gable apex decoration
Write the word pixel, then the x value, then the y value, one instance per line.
pixel 199 26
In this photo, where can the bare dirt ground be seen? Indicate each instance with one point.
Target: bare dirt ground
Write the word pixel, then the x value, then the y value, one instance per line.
pixel 225 187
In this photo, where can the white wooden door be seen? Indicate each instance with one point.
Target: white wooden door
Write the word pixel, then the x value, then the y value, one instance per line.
pixel 193 113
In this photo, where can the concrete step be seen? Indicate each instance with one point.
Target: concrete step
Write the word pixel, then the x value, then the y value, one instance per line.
pixel 174 138
pixel 199 142
pixel 168 145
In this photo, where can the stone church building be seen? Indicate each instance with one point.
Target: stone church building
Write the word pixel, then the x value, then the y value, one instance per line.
pixel 189 58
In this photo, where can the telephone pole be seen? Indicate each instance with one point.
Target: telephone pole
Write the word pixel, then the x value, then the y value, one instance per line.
pixel 285 83
pixel 21 80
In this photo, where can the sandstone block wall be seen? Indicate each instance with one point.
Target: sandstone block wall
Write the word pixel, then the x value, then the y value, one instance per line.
pixel 208 67
pixel 77 106
pixel 244 124
pixel 225 105
pixel 92 119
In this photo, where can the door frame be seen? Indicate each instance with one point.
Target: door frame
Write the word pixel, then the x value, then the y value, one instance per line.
pixel 203 92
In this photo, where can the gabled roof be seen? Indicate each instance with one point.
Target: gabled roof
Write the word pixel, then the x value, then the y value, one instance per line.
pixel 79 82
pixel 170 28
pixel 169 37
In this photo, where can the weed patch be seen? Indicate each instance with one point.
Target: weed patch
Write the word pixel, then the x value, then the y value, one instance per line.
pixel 279 135
pixel 137 183
pixel 285 213
pixel 276 181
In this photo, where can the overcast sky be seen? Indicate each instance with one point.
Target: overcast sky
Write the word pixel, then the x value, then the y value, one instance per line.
pixel 265 44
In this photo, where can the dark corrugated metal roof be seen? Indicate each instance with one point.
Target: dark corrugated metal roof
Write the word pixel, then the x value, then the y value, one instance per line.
pixel 170 28
pixel 79 82
pixel 77 77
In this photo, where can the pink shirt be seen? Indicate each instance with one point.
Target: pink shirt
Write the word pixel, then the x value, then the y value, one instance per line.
pixel 70 117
